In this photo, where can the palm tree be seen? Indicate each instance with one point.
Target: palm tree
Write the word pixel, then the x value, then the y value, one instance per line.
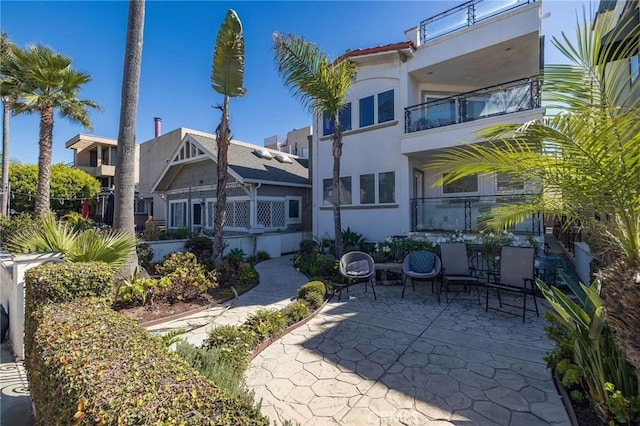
pixel 321 85
pixel 586 159
pixel 125 177
pixel 48 83
pixel 8 94
pixel 227 76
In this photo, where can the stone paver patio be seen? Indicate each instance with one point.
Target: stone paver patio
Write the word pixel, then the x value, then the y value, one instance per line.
pixel 409 361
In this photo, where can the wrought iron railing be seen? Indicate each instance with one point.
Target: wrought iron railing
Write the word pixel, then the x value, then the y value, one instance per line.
pixel 500 99
pixel 467 214
pixel 465 15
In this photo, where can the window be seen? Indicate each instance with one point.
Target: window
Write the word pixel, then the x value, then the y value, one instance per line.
pixel 139 206
pixel 382 184
pixel 345 121
pixel 271 214
pixel 465 184
pixel 197 214
pixel 366 111
pixel 634 68
pixel 387 187
pixel 345 191
pixel 509 182
pixel 178 214
pixel 113 154
pixel 385 106
pixel 294 209
pixel 368 188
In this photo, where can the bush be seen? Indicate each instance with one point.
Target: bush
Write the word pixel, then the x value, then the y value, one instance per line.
pixel 10 224
pixel 297 311
pixel 313 299
pixel 214 365
pixel 183 278
pixel 248 275
pixel 77 374
pixel 312 286
pixel 201 247
pixel 145 254
pixel 262 256
pixel 265 323
pixel 235 343
pixel 236 255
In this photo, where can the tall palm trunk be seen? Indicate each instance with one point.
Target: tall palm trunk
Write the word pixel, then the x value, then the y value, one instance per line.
pixel 4 202
pixel 44 160
pixel 336 140
pixel 222 136
pixel 125 177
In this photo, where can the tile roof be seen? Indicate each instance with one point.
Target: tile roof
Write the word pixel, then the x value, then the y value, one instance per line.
pixel 252 168
pixel 379 49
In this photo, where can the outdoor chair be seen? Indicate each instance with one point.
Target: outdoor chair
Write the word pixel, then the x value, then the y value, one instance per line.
pixel 516 275
pixel 456 269
pixel 356 267
pixel 421 266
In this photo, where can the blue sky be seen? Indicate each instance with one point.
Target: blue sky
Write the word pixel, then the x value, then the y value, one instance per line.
pixel 177 51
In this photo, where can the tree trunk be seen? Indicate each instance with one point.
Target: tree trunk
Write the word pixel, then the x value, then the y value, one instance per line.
pixel 44 160
pixel 4 202
pixel 337 154
pixel 222 139
pixel 125 168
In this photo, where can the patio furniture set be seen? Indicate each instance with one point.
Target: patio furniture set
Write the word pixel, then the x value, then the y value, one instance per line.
pixel 456 272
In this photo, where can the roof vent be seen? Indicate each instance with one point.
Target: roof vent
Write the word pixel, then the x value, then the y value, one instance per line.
pixel 263 153
pixel 283 158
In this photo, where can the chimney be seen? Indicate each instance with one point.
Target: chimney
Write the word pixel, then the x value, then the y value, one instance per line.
pixel 158 126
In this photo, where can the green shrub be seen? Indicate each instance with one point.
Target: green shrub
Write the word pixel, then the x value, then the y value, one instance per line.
pixel 145 254
pixel 236 255
pixel 248 275
pixel 214 365
pixel 236 343
pixel 183 278
pixel 324 265
pixel 262 256
pixel 9 225
pixel 91 365
pixel 312 286
pixel 201 247
pixel 266 323
pixel 135 290
pixel 297 311
pixel 313 299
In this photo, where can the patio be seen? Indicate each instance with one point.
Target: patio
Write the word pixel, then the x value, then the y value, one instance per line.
pixel 410 361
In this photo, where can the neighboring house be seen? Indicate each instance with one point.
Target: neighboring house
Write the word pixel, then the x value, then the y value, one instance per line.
pixel 97 156
pixel 267 190
pixel 472 66
pixel 627 21
pixel 296 142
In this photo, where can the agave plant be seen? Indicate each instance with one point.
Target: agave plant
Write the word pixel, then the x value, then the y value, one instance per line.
pixel 52 235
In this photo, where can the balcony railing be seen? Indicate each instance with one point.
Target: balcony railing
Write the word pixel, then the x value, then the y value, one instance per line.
pixel 465 15
pixel 466 213
pixel 504 98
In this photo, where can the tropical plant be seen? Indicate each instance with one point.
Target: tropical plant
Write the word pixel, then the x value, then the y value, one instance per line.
pixel 596 360
pixel 321 85
pixel 56 236
pixel 585 157
pixel 8 95
pixel 45 83
pixel 227 75
pixel 125 178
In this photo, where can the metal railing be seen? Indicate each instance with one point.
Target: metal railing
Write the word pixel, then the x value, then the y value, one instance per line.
pixel 505 98
pixel 465 15
pixel 466 213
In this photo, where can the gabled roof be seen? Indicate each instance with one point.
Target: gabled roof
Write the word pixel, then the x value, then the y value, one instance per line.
pixel 393 47
pixel 245 164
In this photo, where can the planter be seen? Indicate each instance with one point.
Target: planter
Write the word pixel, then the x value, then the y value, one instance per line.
pixel 566 399
pixel 266 343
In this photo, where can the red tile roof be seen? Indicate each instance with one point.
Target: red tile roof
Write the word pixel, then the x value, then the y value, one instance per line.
pixel 379 49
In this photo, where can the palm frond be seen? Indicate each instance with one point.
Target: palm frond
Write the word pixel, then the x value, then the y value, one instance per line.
pixel 227 72
pixel 113 248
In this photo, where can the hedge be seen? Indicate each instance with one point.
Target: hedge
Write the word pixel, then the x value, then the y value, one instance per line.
pixel 95 366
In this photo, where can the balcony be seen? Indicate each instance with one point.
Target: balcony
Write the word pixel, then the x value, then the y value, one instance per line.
pixel 465 213
pixel 465 15
pixel 501 99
